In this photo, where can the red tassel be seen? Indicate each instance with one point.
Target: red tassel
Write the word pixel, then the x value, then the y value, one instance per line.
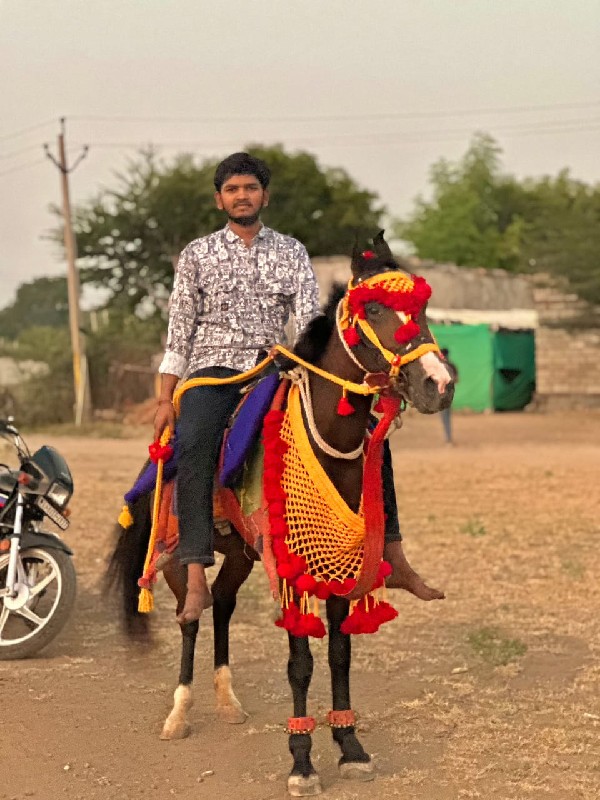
pixel 345 408
pixel 407 332
pixel 351 336
pixel 305 583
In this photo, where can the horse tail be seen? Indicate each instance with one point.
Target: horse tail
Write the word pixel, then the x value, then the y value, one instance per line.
pixel 126 565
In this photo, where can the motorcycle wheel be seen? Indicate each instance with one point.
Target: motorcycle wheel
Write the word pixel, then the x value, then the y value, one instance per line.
pixel 51 580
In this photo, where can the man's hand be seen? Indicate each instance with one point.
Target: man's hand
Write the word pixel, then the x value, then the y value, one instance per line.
pixel 165 415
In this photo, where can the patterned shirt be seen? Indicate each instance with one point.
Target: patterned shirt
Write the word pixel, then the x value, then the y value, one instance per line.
pixel 230 301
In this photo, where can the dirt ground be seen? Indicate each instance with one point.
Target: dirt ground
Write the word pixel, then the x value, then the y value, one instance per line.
pixel 492 693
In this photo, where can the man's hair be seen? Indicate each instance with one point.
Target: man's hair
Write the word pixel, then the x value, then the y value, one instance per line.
pixel 242 164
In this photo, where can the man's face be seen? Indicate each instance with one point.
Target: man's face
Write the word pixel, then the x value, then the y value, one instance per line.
pixel 242 198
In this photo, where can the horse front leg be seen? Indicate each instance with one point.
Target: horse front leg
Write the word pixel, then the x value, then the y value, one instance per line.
pixel 236 567
pixel 355 762
pixel 303 780
pixel 176 725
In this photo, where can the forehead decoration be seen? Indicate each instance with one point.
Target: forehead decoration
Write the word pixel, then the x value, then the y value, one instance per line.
pixel 392 289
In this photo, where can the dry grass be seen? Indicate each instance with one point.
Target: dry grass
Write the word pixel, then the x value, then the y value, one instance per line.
pixel 491 694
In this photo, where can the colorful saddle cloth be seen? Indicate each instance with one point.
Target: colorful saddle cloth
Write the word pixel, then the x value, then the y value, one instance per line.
pixel 238 444
pixel 244 431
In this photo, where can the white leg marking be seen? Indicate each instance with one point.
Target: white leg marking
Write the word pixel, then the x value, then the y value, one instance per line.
pixel 229 707
pixel 176 725
pixel 358 770
pixel 304 787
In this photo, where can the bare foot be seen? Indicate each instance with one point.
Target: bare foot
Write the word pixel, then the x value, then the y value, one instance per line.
pixel 404 577
pixel 195 603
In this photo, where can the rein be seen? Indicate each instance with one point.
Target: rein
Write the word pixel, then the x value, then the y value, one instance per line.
pixel 347 386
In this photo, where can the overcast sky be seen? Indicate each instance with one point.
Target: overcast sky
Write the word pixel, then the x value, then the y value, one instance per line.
pixel 382 88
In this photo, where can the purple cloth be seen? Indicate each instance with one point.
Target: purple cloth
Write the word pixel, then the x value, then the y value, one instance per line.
pixel 246 428
pixel 147 480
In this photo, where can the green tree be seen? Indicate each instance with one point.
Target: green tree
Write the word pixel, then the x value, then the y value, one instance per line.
pixel 470 219
pixel 478 216
pixel 42 302
pixel 128 236
pixel 561 234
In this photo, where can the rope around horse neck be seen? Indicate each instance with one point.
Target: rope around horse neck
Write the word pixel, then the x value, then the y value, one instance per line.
pixel 339 313
pixel 299 377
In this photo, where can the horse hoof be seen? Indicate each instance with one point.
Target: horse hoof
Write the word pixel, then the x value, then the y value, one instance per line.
pixel 299 786
pixel 233 715
pixel 357 770
pixel 178 730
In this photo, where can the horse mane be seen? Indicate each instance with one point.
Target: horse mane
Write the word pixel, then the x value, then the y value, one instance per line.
pixel 311 345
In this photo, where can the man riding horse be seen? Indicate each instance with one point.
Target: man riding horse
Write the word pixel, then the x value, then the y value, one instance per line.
pixel 234 292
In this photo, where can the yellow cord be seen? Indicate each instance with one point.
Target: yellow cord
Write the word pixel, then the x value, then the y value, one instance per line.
pixel 348 386
pixel 146 599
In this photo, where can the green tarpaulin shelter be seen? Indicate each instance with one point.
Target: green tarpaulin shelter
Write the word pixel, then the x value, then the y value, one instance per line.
pixel 496 367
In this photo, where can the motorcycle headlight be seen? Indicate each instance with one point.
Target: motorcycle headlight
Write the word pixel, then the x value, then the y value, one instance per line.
pixel 58 495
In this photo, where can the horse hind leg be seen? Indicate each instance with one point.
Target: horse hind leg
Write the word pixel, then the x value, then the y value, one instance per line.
pixel 355 762
pixel 236 567
pixel 176 725
pixel 303 780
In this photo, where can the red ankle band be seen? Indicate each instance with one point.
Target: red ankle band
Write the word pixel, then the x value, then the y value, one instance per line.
pixel 341 719
pixel 300 725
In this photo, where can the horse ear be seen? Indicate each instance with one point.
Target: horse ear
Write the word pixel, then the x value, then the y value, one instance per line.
pixel 357 262
pixel 382 248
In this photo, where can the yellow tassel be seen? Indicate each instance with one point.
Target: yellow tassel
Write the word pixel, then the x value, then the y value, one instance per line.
pixel 145 601
pixel 125 519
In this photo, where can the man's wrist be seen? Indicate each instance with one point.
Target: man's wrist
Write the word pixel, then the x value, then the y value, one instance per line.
pixel 163 400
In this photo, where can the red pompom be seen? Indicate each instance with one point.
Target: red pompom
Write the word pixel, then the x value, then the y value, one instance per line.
pixel 273 492
pixel 348 584
pixel 352 337
pixel 336 587
pixel 345 408
pixel 279 528
pixel 384 612
pixel 407 332
pixel 280 550
pixel 322 590
pixel 271 475
pixel 285 570
pixel 385 570
pixel 369 255
pixel 160 452
pixel 314 626
pixel 277 508
pixel 305 583
pixel 298 564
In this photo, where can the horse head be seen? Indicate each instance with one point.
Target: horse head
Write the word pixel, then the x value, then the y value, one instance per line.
pixel 382 323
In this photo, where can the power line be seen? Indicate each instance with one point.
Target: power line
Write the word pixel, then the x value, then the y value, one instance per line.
pixel 19 167
pixel 19 152
pixel 558 126
pixel 341 117
pixel 23 131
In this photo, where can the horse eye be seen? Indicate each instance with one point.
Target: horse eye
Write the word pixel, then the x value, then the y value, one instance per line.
pixel 373 309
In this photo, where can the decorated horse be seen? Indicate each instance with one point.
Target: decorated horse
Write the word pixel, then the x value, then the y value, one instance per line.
pixel 300 489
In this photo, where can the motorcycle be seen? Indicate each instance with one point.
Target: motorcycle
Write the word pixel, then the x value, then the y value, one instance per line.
pixel 37 576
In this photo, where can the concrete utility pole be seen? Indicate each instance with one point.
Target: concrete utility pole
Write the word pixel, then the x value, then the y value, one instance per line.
pixel 83 405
